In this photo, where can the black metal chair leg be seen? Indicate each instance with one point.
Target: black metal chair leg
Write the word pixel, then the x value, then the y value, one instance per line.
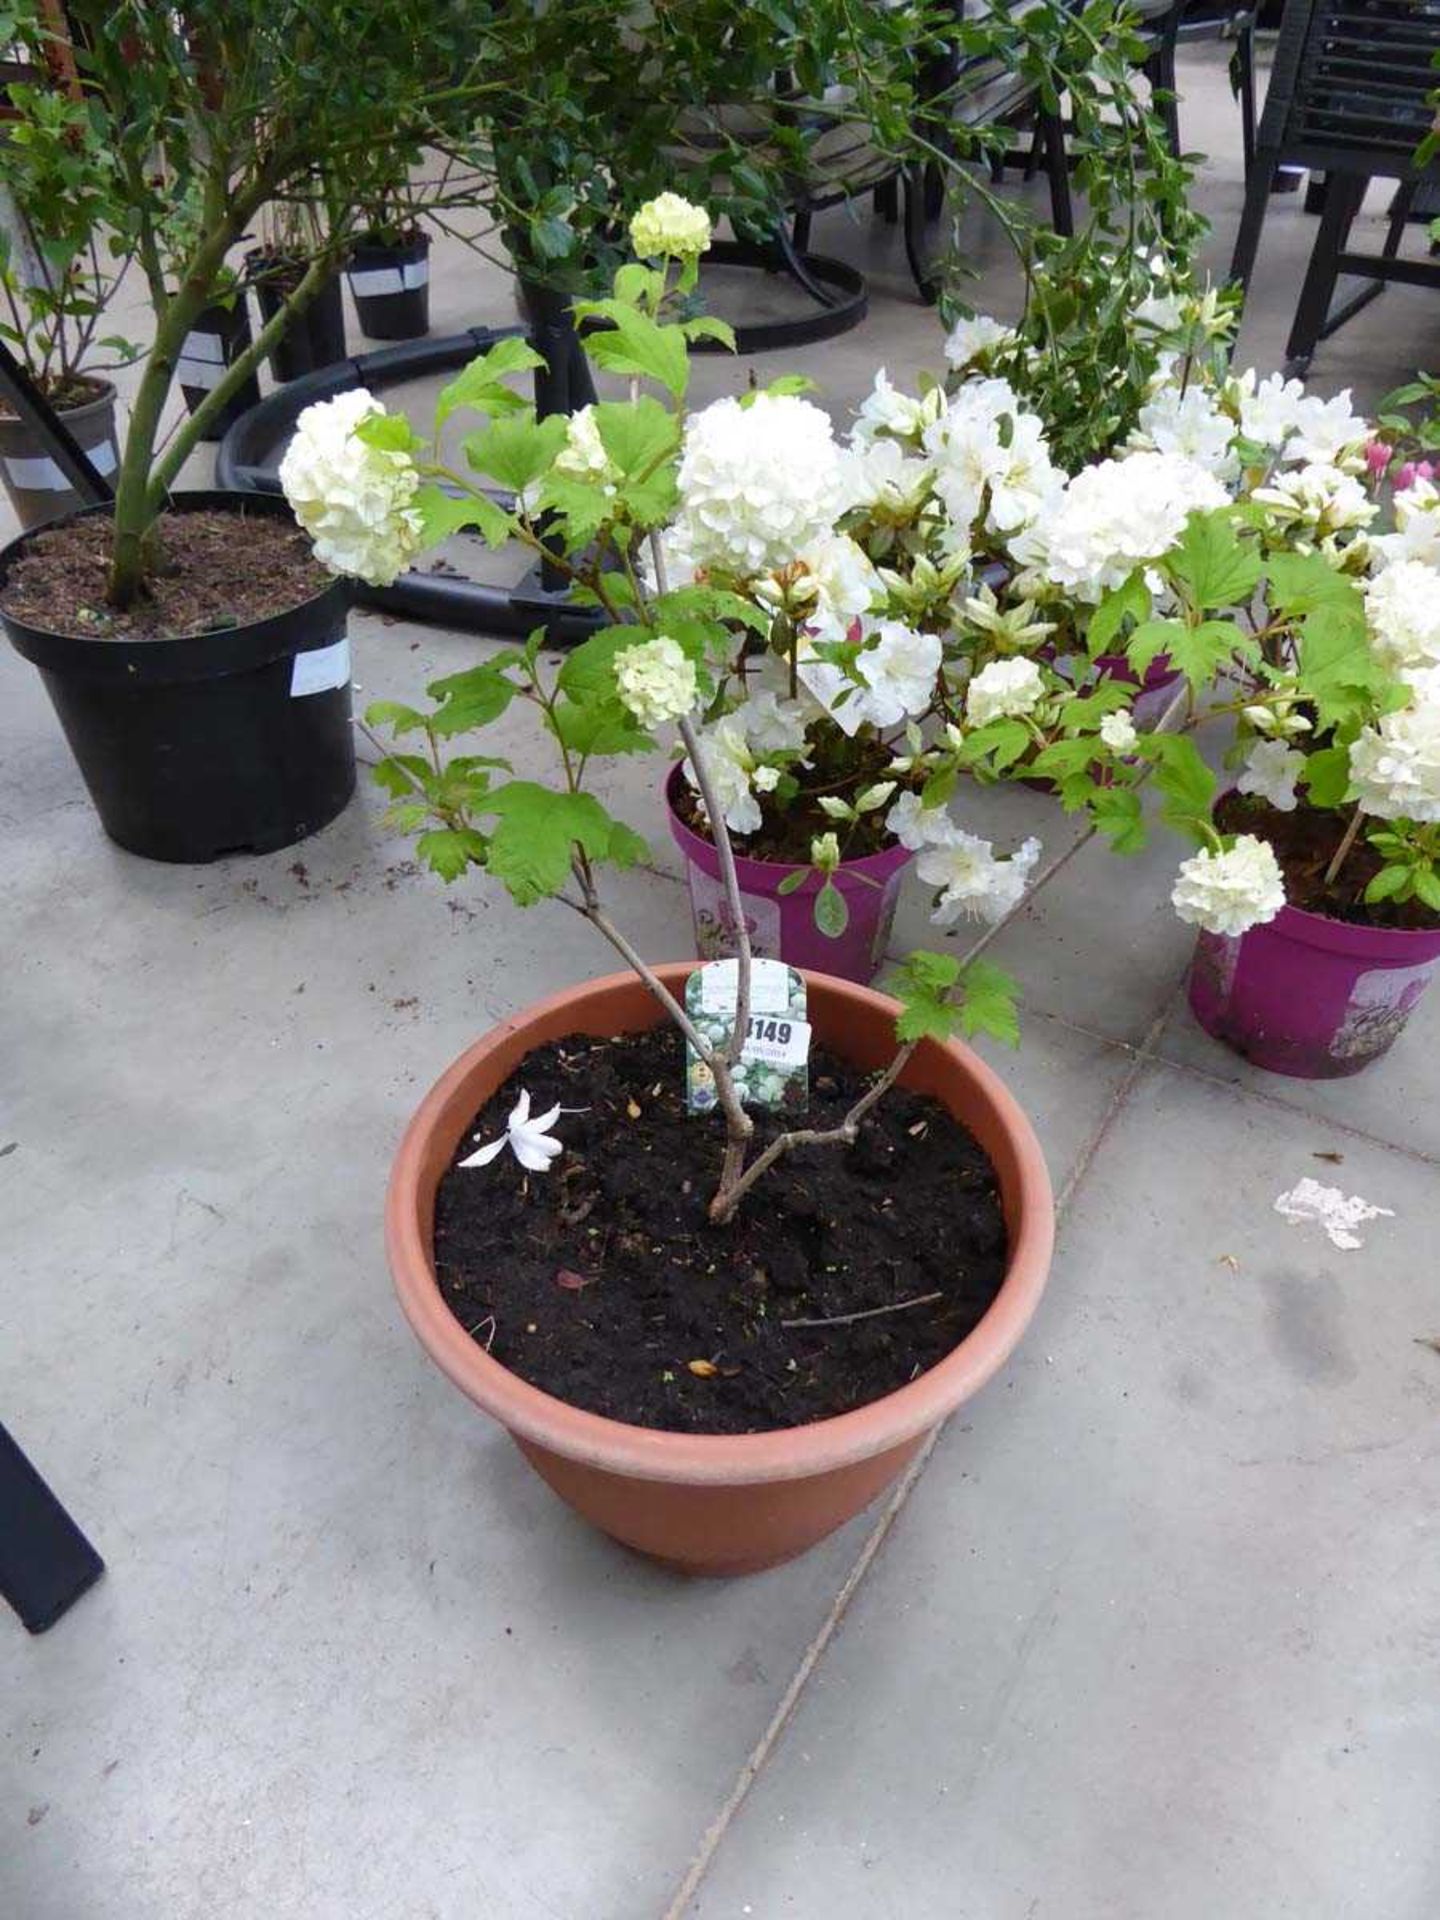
pixel 1051 133
pixel 46 1562
pixel 934 190
pixel 1160 72
pixel 920 269
pixel 1252 220
pixel 1342 203
pixel 887 201
pixel 800 231
pixel 1245 76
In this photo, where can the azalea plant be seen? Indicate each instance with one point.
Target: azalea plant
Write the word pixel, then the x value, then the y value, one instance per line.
pixel 842 629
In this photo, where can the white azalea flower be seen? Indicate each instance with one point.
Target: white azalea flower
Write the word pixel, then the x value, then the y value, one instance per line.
pixel 1417 528
pixel 880 476
pixel 529 1140
pixel 1192 425
pixel 1328 432
pixel 915 825
pixel 1232 891
pixel 886 410
pixel 899 672
pixel 1320 499
pixel 1402 605
pixel 1271 770
pixel 772 725
pixel 352 499
pixel 1270 409
pixel 731 767
pixel 1004 688
pixel 972 879
pixel 973 336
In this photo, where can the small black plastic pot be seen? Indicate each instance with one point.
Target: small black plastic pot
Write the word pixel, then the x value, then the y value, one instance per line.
pixel 215 342
pixel 235 741
pixel 38 490
pixel 317 337
pixel 390 286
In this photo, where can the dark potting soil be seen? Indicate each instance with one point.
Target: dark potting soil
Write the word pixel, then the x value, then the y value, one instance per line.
pixel 785 835
pixel 1305 843
pixel 214 568
pixel 602 1281
pixel 65 394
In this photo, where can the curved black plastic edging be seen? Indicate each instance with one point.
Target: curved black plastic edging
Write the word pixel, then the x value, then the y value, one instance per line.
pixel 248 458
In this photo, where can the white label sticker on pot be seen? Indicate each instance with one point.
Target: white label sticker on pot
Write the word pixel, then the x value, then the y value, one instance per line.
pixel 41 475
pixel 366 283
pixel 777 1042
pixel 321 669
pixel 205 346
pixel 769 986
pixel 200 372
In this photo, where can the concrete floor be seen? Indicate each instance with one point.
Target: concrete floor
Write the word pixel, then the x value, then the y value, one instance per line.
pixel 1153 1636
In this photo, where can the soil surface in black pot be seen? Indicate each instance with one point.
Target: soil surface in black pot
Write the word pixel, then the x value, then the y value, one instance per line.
pixel 73 390
pixel 602 1282
pixel 1305 842
pixel 214 568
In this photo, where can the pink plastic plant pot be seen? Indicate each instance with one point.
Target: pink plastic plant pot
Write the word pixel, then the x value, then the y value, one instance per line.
pixel 1310 996
pixel 782 926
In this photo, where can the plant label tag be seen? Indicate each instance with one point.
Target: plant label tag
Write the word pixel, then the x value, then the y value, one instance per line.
pixel 774 1066
pixel 321 669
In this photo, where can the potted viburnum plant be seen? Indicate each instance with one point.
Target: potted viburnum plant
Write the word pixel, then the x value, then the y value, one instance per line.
pixel 715 1370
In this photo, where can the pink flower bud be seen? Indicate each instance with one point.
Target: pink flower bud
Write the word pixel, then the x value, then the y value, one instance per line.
pixel 1412 471
pixel 1377 457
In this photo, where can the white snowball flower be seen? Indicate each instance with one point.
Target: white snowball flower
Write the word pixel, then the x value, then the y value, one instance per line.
pixel 352 499
pixel 1271 770
pixel 670 225
pixel 899 672
pixel 1417 528
pixel 656 681
pixel 1115 516
pixel 583 456
pixel 879 475
pixel 1117 730
pixel 1230 892
pixel 529 1140
pixel 915 825
pixel 886 410
pixel 973 336
pixel 1402 605
pixel 731 767
pixel 1189 424
pixel 758 483
pixel 1395 765
pixel 971 879
pixel 1003 688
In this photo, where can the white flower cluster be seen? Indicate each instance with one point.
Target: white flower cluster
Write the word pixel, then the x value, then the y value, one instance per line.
pixel 758 484
pixel 1230 892
pixel 1002 689
pixel 732 747
pixel 1114 517
pixel 656 681
pixel 351 498
pixel 1270 772
pixel 885 410
pixel 1299 427
pixel 1318 500
pixel 669 225
pixel 1417 528
pixel 990 457
pixel 1191 423
pixel 973 339
pixel 1402 606
pixel 583 456
pixel 971 877
pixel 1395 764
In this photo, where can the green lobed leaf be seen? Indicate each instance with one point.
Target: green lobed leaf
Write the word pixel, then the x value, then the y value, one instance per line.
pixel 446 513
pixel 1210 565
pixel 478 385
pixel 532 847
pixel 448 851
pixel 1129 602
pixel 517 450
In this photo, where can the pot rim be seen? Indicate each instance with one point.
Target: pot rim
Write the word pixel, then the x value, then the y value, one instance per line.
pixel 763 874
pixel 778 1454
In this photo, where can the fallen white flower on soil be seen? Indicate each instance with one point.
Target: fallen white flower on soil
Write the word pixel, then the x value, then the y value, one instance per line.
pixel 529 1140
pixel 1338 1213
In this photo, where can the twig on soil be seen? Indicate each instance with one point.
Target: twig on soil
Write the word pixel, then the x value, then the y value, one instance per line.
pixel 869 1313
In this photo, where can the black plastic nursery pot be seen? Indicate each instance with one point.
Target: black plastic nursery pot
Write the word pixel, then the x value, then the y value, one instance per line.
pixel 315 338
pixel 38 490
pixel 215 342
pixel 233 741
pixel 391 288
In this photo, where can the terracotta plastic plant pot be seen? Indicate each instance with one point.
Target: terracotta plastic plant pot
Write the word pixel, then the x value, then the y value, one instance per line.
pixel 712 1503
pixel 1310 996
pixel 37 488
pixel 782 926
